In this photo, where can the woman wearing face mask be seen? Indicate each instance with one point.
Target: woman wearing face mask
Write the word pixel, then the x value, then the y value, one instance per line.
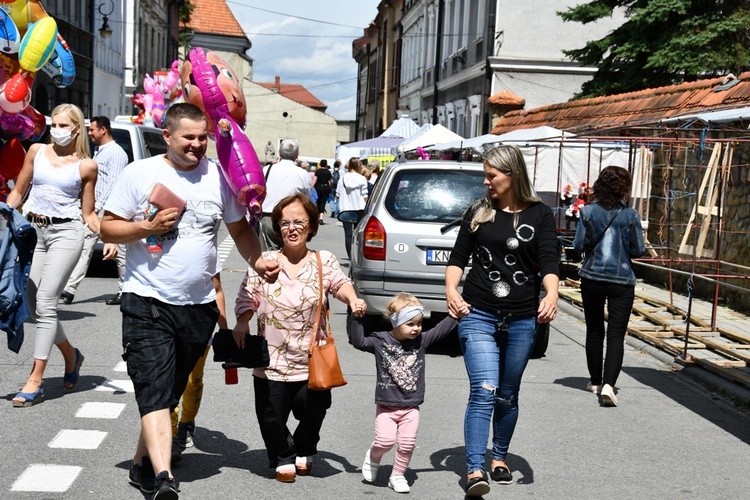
pixel 59 173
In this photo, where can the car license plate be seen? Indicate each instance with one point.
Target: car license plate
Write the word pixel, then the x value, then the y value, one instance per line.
pixel 438 257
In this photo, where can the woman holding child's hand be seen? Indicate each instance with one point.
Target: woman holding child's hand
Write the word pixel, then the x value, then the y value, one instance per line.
pixel 286 310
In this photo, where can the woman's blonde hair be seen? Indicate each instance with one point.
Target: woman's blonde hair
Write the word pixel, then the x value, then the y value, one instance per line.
pixel 508 160
pixel 76 116
pixel 400 301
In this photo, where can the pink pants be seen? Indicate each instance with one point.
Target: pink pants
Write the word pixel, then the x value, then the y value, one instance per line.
pixel 393 425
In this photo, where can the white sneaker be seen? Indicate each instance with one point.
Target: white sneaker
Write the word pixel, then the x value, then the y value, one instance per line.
pixel 608 395
pixel 369 468
pixel 399 484
pixel 593 388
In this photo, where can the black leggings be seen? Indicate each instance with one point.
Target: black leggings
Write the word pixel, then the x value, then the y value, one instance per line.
pixel 619 304
pixel 322 198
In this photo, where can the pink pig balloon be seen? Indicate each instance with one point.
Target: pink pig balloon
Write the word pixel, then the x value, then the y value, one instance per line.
pixel 241 167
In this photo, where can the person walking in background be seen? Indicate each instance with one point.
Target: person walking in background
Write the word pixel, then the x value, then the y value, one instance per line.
pixel 510 237
pixel 183 422
pixel 400 382
pixel 286 312
pixel 110 159
pixel 333 202
pixel 168 305
pixel 609 233
pixel 283 179
pixel 352 195
pixel 58 174
pixel 322 183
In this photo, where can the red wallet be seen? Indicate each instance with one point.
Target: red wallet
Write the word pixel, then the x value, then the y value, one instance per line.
pixel 162 198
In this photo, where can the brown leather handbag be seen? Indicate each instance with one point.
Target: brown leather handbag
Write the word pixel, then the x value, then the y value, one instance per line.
pixel 324 370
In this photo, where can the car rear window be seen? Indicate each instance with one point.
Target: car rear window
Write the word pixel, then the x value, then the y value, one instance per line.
pixel 433 195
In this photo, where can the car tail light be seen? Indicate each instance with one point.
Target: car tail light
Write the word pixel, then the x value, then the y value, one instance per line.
pixel 373 243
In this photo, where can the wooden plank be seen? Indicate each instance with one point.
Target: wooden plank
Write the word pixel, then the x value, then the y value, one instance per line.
pixel 739 337
pixel 688 229
pixel 728 373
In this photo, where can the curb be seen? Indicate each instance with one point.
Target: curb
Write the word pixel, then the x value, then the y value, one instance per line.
pixel 736 392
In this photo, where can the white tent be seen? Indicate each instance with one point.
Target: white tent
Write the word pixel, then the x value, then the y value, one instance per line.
pixel 435 134
pixel 402 127
pixel 483 142
pixel 543 133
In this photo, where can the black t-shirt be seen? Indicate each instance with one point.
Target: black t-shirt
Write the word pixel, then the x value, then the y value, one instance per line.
pixel 507 264
pixel 324 178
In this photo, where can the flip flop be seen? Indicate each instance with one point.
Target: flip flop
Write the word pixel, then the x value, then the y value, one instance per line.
pixel 29 398
pixel 72 377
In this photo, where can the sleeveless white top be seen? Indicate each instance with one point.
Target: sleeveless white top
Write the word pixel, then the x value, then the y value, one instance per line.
pixel 54 190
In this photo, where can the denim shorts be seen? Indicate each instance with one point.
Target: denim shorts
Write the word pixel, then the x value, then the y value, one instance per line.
pixel 161 345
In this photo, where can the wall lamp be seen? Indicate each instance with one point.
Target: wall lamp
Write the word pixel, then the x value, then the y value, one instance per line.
pixel 105 31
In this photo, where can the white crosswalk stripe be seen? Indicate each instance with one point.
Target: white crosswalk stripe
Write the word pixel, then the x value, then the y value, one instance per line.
pixel 78 439
pixel 45 477
pixel 100 410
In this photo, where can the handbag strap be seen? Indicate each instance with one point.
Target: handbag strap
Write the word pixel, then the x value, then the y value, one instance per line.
pixel 316 325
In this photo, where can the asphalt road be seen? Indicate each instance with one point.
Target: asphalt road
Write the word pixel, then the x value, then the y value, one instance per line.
pixel 669 438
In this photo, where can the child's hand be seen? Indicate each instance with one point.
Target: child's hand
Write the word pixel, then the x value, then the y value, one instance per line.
pixel 359 307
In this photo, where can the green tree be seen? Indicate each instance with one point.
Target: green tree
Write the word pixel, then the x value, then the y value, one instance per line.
pixel 662 42
pixel 186 10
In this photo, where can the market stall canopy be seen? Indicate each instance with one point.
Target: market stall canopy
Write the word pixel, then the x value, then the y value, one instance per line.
pixel 403 127
pixel 378 146
pixel 543 133
pixel 436 134
pixel 483 142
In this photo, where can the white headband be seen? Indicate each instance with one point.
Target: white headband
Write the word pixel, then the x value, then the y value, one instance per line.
pixel 400 317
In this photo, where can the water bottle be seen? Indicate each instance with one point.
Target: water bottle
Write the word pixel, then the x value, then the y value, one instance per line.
pixel 154 241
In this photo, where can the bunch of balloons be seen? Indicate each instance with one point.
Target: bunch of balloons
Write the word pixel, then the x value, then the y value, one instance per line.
pixel 160 91
pixel 29 41
pixel 212 85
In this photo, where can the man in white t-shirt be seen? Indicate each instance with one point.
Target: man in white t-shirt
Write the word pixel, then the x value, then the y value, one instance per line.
pixel 283 179
pixel 168 303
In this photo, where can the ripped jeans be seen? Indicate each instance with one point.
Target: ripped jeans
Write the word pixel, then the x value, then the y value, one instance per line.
pixel 496 349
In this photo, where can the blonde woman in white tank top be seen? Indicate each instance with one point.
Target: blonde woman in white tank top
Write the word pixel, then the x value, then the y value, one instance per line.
pixel 58 174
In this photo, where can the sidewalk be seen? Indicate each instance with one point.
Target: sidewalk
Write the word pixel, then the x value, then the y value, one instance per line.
pixel 726 318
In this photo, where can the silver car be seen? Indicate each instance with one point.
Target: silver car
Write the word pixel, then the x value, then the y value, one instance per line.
pixel 404 240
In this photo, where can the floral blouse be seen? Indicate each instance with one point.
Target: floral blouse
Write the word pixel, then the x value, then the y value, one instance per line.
pixel 285 312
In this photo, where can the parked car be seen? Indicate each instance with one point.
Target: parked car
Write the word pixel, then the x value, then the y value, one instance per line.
pixel 138 141
pixel 404 240
pixel 410 225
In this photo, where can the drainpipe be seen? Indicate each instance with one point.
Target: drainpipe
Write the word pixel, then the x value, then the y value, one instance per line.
pixel 486 112
pixel 438 50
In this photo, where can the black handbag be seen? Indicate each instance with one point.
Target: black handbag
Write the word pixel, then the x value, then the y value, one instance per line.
pixel 254 355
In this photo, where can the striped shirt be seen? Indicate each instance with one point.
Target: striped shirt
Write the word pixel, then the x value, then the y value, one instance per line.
pixel 110 159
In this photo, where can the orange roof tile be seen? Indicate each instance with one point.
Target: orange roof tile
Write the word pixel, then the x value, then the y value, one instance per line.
pixel 295 92
pixel 634 108
pixel 215 17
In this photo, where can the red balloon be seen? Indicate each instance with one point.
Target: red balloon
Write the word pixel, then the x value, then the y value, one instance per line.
pixel 11 159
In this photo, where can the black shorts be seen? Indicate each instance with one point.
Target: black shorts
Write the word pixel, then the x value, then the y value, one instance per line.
pixel 161 345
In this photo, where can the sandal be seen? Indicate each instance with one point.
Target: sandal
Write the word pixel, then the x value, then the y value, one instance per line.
pixel 29 398
pixel 72 377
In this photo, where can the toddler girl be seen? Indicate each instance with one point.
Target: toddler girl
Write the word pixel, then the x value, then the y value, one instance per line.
pixel 399 356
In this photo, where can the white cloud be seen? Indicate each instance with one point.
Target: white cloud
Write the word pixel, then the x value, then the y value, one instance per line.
pixel 316 63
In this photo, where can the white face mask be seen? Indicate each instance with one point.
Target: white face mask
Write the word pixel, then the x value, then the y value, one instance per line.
pixel 61 136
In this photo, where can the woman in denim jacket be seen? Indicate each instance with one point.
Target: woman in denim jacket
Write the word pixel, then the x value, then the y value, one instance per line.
pixel 610 234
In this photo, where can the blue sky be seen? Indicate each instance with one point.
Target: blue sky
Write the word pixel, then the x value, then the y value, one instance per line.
pixel 315 52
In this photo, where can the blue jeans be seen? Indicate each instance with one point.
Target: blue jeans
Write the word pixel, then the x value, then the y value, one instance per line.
pixel 495 358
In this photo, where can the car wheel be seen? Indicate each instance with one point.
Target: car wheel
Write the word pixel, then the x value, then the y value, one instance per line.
pixel 541 341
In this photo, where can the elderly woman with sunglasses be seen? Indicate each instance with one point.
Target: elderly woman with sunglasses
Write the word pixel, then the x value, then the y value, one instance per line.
pixel 286 313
